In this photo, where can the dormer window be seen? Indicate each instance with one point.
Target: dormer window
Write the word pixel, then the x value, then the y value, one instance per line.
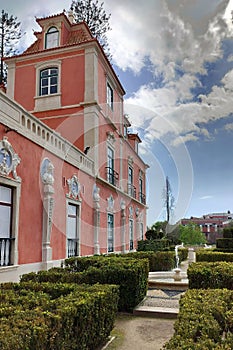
pixel 52 38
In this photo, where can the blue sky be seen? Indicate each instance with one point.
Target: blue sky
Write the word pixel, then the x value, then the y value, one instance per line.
pixel 175 61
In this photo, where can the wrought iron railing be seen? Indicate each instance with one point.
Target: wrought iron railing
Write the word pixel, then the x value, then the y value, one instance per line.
pixel 131 190
pixel 72 247
pixel 112 176
pixel 142 198
pixel 5 251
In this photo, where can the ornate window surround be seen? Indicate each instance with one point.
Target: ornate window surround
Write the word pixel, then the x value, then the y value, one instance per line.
pixel 51 101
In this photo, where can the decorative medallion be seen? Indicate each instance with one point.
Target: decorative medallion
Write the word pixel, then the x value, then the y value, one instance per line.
pixel 9 160
pixel 74 187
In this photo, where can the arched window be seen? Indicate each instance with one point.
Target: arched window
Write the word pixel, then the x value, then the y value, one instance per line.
pixel 52 38
pixel 49 81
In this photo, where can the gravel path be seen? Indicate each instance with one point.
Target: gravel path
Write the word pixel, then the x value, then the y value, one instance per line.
pixel 141 333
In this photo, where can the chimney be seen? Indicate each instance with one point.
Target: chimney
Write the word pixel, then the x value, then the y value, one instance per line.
pixel 71 16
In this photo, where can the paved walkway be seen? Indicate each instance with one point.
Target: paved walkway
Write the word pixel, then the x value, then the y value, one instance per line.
pixel 150 327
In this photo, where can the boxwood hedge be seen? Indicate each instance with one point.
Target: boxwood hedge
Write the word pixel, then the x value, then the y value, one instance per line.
pixel 204 321
pixel 38 316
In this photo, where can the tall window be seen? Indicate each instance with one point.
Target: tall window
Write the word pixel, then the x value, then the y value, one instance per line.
pixel 141 231
pixel 72 230
pixel 110 233
pixel 110 166
pixel 48 81
pixel 109 96
pixel 130 234
pixel 52 38
pixel 131 187
pixel 5 224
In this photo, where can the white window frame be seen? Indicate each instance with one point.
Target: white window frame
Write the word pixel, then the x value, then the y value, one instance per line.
pixel 52 73
pixel 15 186
pixel 77 237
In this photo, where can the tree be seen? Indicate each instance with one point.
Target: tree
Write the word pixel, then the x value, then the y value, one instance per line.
pixel 157 230
pixel 191 234
pixel 10 33
pixel 169 200
pixel 95 17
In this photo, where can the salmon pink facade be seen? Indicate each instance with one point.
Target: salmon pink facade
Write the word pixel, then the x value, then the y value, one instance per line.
pixel 71 180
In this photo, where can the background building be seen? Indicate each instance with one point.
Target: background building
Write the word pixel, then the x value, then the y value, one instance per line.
pixel 211 224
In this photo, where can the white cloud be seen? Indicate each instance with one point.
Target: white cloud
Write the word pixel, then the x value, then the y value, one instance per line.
pixel 206 197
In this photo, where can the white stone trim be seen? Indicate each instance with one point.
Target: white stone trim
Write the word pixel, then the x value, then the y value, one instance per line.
pixel 17 119
pixel 16 187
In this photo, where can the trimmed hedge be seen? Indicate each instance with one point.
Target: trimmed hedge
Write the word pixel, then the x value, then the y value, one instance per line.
pixel 224 243
pixel 130 274
pixel 153 245
pixel 204 322
pixel 210 275
pixel 212 256
pixel 158 261
pixel 55 316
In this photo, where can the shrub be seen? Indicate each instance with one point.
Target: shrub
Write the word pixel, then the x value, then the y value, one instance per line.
pixel 210 275
pixel 212 256
pixel 224 243
pixel 153 245
pixel 56 321
pixel 130 274
pixel 204 321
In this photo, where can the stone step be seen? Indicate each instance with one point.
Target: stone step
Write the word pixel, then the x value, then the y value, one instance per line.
pixel 159 303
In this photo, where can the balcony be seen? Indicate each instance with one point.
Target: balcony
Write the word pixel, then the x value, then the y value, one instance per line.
pixel 142 198
pixel 112 176
pixel 72 247
pixel 5 251
pixel 131 190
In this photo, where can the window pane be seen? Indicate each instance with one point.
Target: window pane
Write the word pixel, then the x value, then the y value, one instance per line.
pixel 44 82
pixel 53 71
pixel 5 221
pixel 44 73
pixel 71 229
pixel 53 80
pixel 72 210
pixel 53 89
pixel 44 91
pixel 5 194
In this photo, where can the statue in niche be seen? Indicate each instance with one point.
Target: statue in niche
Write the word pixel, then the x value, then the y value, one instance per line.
pixel 96 196
pixel 47 172
pixel 48 178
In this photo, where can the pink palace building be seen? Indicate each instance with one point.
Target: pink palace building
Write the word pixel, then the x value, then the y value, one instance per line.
pixel 71 180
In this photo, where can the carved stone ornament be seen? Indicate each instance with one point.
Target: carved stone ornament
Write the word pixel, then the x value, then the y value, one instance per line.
pixel 110 204
pixel 111 137
pixel 74 187
pixel 96 196
pixel 131 212
pixel 130 160
pixel 9 160
pixel 46 172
